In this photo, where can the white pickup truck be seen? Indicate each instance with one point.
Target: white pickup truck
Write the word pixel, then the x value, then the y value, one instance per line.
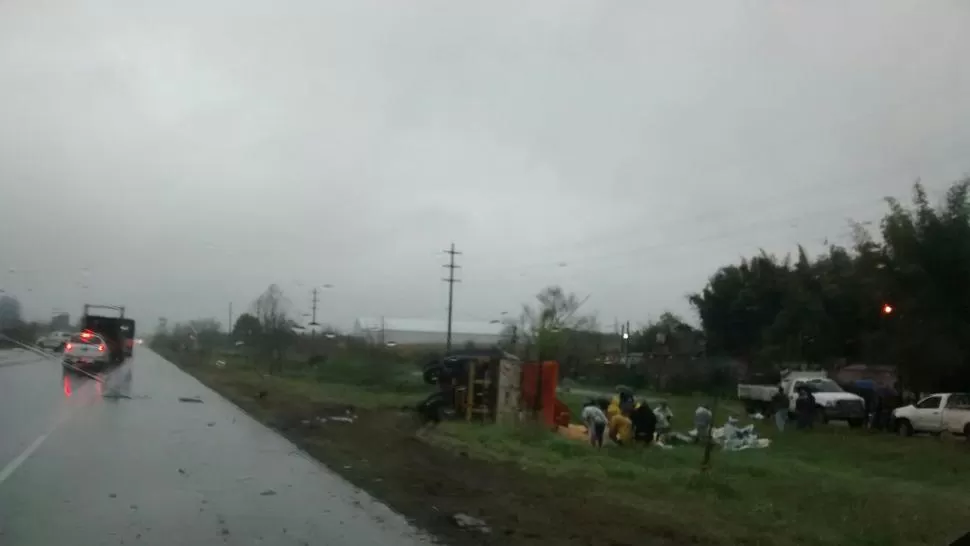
pixel 935 414
pixel 834 404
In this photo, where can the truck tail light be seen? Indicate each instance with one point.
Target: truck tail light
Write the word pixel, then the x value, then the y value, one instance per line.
pixel 68 346
pixel 101 348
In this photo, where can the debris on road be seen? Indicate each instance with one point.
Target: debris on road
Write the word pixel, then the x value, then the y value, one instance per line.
pixel 464 521
pixel 194 399
pixel 211 424
pixel 268 493
pixel 113 495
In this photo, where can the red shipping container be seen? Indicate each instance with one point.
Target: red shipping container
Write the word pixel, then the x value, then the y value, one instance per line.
pixel 550 406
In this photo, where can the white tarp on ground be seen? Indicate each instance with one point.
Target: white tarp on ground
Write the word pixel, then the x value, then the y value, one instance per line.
pixel 735 438
pixel 730 437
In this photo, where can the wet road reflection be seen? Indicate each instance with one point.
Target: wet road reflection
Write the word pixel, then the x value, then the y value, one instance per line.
pixel 122 461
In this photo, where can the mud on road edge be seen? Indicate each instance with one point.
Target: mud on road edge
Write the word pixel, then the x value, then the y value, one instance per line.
pixel 381 454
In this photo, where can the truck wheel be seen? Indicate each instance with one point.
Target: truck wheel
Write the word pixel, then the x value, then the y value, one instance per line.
pixel 820 416
pixel 966 432
pixel 904 428
pixel 856 423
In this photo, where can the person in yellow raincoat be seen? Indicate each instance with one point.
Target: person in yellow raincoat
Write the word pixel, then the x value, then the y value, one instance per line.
pixel 621 403
pixel 621 429
pixel 618 413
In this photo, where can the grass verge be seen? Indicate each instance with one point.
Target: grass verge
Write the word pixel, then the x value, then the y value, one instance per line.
pixel 831 486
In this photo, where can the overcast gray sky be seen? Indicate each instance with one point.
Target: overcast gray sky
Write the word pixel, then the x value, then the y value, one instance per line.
pixel 175 156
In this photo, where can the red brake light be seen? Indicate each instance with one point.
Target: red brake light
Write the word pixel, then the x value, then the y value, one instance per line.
pixel 68 346
pixel 101 348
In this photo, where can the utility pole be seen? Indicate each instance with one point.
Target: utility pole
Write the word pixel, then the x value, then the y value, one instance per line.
pixel 230 319
pixel 451 280
pixel 627 337
pixel 625 344
pixel 313 306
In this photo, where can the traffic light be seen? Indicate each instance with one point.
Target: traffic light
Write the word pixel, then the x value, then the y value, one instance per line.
pixel 887 309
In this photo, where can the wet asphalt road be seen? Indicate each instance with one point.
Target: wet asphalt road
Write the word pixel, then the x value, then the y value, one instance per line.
pixel 79 468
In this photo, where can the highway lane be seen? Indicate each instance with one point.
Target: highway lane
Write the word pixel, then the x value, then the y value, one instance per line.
pixel 80 468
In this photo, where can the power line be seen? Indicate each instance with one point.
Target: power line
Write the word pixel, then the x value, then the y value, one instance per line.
pixel 451 280
pixel 636 251
pixel 621 233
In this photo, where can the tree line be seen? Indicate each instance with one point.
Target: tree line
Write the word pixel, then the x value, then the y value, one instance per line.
pixel 899 296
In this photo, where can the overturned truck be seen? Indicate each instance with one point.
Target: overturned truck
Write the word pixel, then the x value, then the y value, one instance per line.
pixel 491 385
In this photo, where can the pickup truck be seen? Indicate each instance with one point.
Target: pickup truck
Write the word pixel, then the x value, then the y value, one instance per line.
pixel 935 414
pixel 833 403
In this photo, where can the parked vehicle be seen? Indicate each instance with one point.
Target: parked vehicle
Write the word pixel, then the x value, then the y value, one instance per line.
pixel 86 350
pixel 935 414
pixel 54 341
pixel 833 403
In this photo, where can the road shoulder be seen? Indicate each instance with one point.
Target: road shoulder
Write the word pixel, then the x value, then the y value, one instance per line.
pixel 428 484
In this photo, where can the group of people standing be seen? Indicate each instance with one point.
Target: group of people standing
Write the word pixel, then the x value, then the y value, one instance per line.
pixel 805 408
pixel 625 420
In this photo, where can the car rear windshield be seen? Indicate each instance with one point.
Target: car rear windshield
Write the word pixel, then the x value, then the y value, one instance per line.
pixel 90 340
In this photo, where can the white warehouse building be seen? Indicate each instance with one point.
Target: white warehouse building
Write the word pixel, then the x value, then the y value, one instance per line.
pixel 427 332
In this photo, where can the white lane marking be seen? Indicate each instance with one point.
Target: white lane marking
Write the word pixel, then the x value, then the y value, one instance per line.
pixel 14 464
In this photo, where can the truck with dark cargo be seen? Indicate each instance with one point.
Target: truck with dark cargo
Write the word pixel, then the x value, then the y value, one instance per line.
pixel 118 332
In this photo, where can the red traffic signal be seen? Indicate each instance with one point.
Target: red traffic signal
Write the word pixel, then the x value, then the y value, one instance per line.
pixel 887 309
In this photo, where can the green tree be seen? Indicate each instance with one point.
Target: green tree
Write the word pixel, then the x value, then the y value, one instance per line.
pixel 828 309
pixel 668 335
pixel 247 328
pixel 207 332
pixel 271 309
pixel 10 312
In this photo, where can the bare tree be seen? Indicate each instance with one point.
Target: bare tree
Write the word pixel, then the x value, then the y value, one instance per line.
pixel 556 310
pixel 271 309
pixel 549 322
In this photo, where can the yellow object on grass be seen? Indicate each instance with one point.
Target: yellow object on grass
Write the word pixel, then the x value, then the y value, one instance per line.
pixel 575 432
pixel 621 428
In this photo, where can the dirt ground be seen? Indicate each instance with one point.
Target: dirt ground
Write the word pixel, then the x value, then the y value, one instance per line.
pixel 381 454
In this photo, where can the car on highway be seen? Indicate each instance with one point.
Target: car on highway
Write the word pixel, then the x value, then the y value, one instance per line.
pixel 54 340
pixel 86 350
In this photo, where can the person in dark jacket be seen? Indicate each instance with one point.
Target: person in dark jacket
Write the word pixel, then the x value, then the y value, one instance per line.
pixel 779 406
pixel 644 423
pixel 805 409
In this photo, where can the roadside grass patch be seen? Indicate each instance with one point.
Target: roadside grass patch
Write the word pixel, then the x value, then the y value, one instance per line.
pixel 831 486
